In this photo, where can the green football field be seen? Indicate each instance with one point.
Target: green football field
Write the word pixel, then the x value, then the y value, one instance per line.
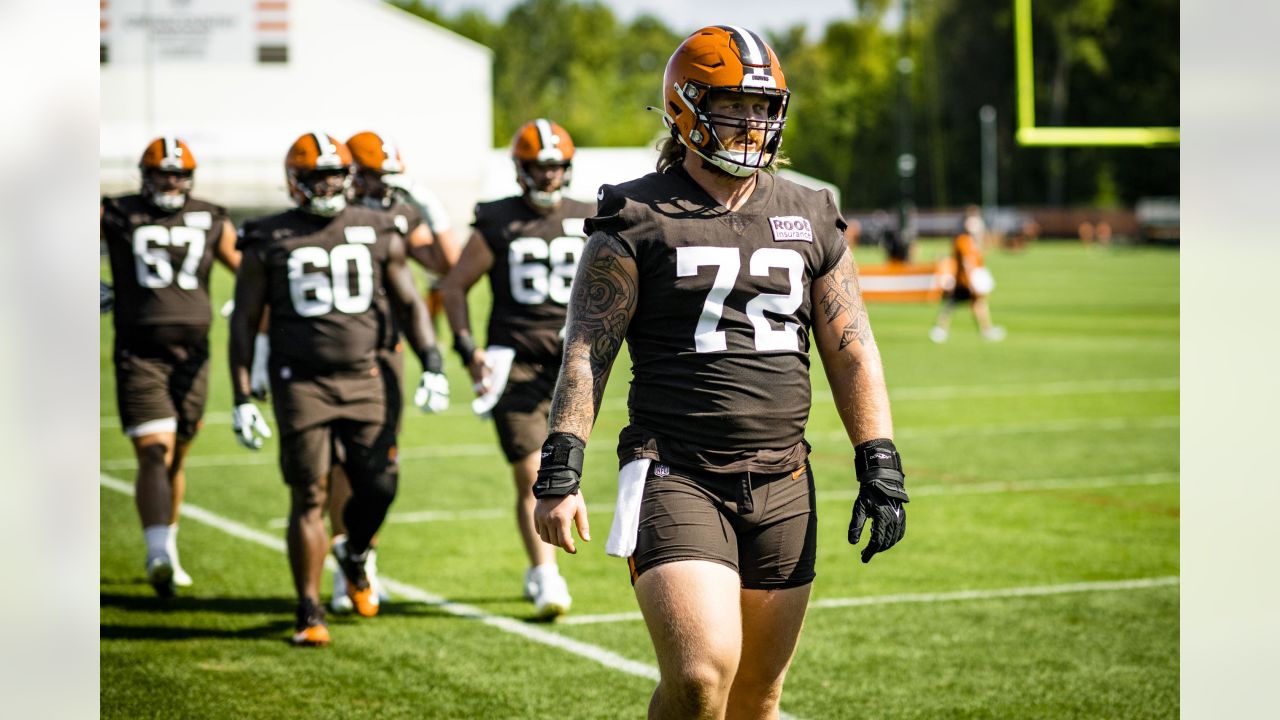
pixel 1038 577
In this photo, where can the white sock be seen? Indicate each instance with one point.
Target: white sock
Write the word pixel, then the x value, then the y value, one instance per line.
pixel 157 537
pixel 546 570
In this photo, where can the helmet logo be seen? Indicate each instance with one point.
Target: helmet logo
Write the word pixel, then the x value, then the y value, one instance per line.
pixel 696 136
pixel 690 91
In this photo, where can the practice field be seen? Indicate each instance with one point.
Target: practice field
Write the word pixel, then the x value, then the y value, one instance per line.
pixel 1038 577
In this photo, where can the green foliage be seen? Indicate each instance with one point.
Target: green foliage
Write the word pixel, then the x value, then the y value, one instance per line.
pixel 1098 62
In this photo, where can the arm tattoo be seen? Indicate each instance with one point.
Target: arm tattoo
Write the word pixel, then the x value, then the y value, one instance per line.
pixel 842 303
pixel 603 301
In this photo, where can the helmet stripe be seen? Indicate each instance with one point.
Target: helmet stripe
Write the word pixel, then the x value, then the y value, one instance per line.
pixel 546 138
pixel 171 149
pixel 750 46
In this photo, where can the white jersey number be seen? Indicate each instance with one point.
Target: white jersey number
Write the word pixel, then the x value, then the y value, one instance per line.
pixel 154 263
pixel 541 270
pixel 706 338
pixel 327 285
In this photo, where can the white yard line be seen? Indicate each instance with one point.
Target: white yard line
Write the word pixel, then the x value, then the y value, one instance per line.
pixel 962 595
pixel 941 392
pixel 424 452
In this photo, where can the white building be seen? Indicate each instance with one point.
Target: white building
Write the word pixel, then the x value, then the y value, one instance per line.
pixel 240 80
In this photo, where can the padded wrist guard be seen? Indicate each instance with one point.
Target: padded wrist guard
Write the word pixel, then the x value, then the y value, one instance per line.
pixel 561 468
pixel 877 463
pixel 432 361
pixel 465 346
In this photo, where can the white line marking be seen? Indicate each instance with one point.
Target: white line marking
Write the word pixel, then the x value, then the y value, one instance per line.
pixel 962 595
pixel 941 392
pixel 248 458
pixel 607 658
pixel 1001 486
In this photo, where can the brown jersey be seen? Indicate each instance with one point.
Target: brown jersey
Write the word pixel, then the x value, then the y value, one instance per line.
pixel 534 259
pixel 323 275
pixel 160 263
pixel 405 217
pixel 720 337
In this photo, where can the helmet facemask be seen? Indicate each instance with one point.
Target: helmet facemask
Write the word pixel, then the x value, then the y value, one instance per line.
pixel 167 189
pixel 543 194
pixel 322 192
pixel 372 189
pixel 736 144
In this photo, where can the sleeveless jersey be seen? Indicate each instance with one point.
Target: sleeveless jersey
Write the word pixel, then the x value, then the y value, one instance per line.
pixel 719 341
pixel 160 262
pixel 323 276
pixel 534 259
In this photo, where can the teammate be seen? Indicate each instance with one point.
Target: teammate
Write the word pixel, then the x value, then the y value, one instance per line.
pixel 715 272
pixel 318 267
pixel 162 243
pixel 969 281
pixel 529 246
pixel 376 162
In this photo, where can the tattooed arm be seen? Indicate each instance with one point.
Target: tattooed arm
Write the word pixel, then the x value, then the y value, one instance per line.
pixel 600 309
pixel 604 297
pixel 849 353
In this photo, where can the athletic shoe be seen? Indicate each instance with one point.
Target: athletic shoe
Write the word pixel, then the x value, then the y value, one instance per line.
pixel 160 575
pixel 364 598
pixel 310 630
pixel 340 603
pixel 180 576
pixel 937 334
pixel 994 333
pixel 552 597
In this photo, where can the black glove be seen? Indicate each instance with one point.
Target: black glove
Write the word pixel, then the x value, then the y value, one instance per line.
pixel 106 297
pixel 881 495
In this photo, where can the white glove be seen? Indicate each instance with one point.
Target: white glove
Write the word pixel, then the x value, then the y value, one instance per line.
pixel 249 425
pixel 433 393
pixel 259 378
pixel 228 307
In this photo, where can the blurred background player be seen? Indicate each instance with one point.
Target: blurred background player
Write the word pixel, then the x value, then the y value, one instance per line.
pixel 529 246
pixel 969 282
pixel 161 244
pixel 319 266
pixel 376 162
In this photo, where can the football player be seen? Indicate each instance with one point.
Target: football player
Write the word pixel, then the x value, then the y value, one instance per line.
pixel 377 161
pixel 715 271
pixel 162 243
pixel 529 247
pixel 968 281
pixel 318 267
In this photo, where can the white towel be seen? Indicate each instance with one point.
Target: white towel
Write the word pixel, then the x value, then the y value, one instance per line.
pixel 626 516
pixel 499 359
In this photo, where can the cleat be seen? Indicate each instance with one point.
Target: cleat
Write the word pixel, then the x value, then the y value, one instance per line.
pixel 364 599
pixel 160 575
pixel 994 334
pixel 552 598
pixel 311 630
pixel 180 576
pixel 937 334
pixel 371 572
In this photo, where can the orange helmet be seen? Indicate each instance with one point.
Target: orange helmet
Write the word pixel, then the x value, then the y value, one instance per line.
pixel 542 142
pixel 167 167
pixel 371 152
pixel 724 58
pixel 318 169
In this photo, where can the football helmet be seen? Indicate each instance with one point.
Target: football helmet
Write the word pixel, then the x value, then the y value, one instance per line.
pixel 318 170
pixel 542 142
pixel 168 168
pixel 375 159
pixel 724 58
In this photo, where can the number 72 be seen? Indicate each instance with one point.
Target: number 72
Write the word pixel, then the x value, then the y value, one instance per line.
pixel 706 337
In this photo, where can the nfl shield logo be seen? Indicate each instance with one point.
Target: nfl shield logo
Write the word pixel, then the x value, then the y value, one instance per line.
pixel 661 470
